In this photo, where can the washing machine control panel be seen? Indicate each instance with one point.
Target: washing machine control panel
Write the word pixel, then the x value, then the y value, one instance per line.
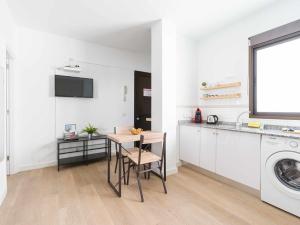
pixel 293 144
pixel 274 144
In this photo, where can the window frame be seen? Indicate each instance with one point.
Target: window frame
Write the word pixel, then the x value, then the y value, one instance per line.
pixel 253 79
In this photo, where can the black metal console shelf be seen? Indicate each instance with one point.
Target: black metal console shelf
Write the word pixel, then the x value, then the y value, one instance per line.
pixel 82 150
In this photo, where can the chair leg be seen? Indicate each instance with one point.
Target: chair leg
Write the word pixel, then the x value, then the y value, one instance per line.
pixel 149 171
pixel 123 164
pixel 163 180
pixel 145 175
pixel 128 172
pixel 140 186
pixel 116 166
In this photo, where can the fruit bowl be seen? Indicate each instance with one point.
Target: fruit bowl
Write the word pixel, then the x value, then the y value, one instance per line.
pixel 136 131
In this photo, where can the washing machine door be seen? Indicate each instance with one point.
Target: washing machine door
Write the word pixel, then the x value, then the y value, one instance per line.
pixel 283 170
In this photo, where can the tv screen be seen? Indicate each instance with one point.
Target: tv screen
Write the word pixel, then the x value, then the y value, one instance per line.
pixel 66 86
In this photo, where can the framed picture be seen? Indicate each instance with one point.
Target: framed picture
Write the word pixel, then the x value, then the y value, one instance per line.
pixel 69 128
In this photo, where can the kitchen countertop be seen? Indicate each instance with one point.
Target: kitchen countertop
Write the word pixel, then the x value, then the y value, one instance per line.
pixel 271 130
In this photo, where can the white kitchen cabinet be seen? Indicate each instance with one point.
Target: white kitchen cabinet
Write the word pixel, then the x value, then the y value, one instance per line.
pixel 190 144
pixel 238 157
pixel 208 149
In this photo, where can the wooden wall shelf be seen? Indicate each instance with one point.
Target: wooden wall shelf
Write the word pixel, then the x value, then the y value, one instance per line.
pixel 227 96
pixel 220 86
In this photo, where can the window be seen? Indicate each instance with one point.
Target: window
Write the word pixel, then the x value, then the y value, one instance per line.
pixel 275 73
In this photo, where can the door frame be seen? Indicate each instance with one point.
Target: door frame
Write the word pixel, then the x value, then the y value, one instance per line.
pixel 8 113
pixel 3 62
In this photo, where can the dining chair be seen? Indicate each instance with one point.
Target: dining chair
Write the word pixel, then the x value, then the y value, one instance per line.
pixel 146 161
pixel 125 151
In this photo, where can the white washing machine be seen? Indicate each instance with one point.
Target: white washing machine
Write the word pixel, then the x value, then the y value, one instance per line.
pixel 280 173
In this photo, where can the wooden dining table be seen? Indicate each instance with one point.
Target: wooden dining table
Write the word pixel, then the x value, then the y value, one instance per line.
pixel 121 139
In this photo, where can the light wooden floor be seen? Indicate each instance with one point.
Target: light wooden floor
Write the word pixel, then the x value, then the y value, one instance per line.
pixel 80 195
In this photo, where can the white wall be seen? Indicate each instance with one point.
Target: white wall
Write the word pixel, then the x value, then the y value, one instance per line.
pixel 187 88
pixel 6 41
pixel 223 56
pixel 39 116
pixel 163 67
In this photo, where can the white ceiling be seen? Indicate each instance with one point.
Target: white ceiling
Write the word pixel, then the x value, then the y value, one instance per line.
pixel 125 23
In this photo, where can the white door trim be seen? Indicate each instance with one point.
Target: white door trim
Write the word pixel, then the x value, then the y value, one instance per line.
pixel 8 118
pixel 3 102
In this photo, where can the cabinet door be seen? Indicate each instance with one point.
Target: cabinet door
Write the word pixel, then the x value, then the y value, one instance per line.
pixel 208 149
pixel 189 144
pixel 238 157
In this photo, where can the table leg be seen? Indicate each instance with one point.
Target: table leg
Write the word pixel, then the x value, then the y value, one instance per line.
pixel 106 147
pixel 119 183
pixel 108 160
pixel 120 169
pixel 165 172
pixel 58 152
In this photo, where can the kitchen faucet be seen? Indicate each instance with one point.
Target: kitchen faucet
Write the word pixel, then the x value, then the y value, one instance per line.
pixel 239 124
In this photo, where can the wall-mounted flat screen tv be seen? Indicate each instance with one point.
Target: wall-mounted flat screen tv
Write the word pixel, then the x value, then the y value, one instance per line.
pixel 66 86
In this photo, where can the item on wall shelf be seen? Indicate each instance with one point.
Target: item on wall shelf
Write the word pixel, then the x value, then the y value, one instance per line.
pixel 198 116
pixel 204 84
pixel 70 132
pixel 225 96
pixel 221 85
pixel 90 130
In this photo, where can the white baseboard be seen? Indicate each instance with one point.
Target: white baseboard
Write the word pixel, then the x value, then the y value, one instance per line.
pixel 171 171
pixel 21 168
pixel 2 197
pixel 33 166
pixel 179 164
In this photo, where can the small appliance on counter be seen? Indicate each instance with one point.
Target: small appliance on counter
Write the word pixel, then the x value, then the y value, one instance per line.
pixel 212 119
pixel 198 116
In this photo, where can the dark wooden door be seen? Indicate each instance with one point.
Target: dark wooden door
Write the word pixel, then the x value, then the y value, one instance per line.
pixel 142 100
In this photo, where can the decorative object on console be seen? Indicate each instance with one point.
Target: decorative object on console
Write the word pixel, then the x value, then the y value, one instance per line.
pixel 70 132
pixel 90 130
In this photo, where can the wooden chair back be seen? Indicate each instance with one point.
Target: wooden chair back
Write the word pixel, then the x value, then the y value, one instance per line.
pixel 152 138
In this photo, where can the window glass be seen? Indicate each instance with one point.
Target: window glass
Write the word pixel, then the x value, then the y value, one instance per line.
pixel 278 77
